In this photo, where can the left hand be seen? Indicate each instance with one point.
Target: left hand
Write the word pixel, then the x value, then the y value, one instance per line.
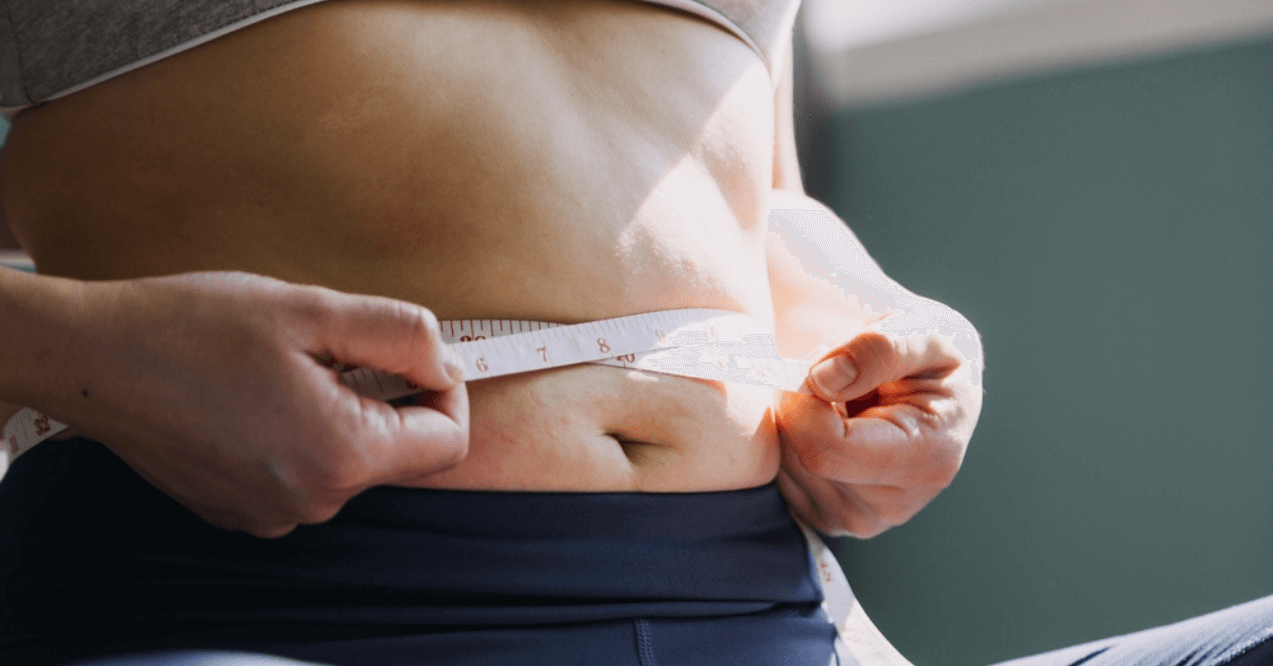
pixel 879 428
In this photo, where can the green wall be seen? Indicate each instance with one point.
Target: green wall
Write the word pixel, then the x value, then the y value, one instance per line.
pixel 1110 232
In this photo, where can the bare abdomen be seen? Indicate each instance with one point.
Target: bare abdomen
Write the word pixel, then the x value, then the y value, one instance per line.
pixel 555 161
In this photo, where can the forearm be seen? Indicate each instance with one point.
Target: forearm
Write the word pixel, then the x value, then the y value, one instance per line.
pixel 36 321
pixel 7 241
pixel 820 273
pixel 824 284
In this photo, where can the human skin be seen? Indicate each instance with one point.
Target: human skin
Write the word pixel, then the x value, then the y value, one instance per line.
pixel 565 161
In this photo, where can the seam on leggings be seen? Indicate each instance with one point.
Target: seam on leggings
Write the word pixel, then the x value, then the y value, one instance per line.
pixel 1249 645
pixel 645 642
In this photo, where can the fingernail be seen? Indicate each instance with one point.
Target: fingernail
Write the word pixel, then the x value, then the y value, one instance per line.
pixel 834 374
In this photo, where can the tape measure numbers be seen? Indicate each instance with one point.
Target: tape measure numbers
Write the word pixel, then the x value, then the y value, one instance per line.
pixel 698 342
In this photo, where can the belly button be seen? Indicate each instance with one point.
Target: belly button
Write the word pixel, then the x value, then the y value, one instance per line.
pixel 637 452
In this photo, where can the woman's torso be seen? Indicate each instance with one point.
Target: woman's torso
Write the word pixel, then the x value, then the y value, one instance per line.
pixel 561 161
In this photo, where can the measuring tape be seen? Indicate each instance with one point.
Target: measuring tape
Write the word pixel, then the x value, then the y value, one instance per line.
pixel 699 342
pixel 858 641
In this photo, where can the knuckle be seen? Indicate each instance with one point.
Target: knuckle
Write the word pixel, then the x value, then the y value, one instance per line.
pixel 421 323
pixel 817 459
pixel 878 349
pixel 312 305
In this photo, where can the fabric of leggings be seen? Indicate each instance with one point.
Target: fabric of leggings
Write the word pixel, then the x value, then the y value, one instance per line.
pixel 1238 636
pixel 96 563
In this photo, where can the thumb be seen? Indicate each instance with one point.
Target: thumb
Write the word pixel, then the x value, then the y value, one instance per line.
pixel 874 358
pixel 854 368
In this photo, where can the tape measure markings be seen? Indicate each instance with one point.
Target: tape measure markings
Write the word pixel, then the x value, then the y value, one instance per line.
pixel 703 343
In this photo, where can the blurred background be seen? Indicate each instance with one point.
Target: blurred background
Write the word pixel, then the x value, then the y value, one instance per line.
pixel 1091 183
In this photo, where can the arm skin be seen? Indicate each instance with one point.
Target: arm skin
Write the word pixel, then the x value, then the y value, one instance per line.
pixel 7 242
pixel 866 454
pixel 805 299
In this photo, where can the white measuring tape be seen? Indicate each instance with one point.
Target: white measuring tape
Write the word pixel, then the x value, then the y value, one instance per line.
pixel 699 342
pixel 702 343
pixel 858 641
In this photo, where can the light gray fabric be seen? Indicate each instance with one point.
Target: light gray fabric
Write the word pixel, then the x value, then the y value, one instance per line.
pixel 51 47
pixel 765 21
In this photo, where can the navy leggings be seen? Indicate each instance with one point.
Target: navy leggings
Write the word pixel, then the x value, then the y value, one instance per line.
pixel 96 563
pixel 1238 636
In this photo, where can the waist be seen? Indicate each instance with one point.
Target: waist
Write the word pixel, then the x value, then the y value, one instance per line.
pixel 600 428
pixel 660 440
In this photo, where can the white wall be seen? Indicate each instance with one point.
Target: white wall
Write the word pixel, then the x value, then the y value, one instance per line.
pixel 873 52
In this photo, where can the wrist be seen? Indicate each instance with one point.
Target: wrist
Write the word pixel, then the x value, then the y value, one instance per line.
pixel 38 316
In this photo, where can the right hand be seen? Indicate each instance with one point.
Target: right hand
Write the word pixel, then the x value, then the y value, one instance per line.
pixel 207 385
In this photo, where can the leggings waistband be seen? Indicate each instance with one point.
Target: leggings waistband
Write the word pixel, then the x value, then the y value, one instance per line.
pixel 105 545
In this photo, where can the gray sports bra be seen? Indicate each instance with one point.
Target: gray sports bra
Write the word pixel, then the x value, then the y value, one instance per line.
pixel 51 48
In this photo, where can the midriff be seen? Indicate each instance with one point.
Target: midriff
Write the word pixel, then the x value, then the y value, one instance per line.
pixel 560 161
